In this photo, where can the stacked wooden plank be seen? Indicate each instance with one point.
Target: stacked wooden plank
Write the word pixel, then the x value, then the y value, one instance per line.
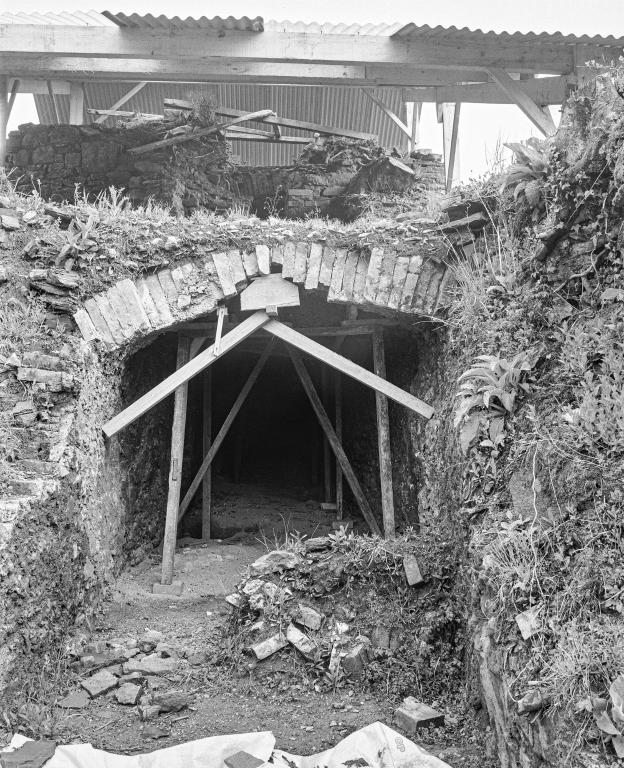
pixel 379 279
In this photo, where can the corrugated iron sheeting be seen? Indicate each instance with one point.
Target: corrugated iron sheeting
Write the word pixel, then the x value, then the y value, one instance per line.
pixel 148 21
pixel 340 107
pixel 63 18
pixel 302 27
pixel 464 35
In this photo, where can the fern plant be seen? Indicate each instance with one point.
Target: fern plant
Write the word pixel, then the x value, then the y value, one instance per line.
pixel 527 175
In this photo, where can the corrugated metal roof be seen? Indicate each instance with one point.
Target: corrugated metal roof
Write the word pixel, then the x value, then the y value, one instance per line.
pixel 327 28
pixel 339 106
pixel 465 35
pixel 147 21
pixel 64 18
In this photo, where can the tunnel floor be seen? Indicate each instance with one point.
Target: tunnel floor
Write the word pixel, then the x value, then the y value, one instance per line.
pixel 250 512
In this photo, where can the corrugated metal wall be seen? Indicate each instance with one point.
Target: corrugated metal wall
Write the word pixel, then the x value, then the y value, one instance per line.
pixel 340 107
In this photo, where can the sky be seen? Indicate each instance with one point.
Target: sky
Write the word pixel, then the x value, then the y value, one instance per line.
pixel 483 128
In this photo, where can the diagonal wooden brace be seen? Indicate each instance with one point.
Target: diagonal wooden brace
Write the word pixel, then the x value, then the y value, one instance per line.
pixel 330 433
pixel 183 374
pixel 216 444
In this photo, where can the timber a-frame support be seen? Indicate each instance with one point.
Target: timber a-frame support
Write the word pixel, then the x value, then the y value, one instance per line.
pixel 189 364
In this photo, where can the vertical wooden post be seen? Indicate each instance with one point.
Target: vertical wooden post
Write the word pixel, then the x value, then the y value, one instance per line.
pixel 338 406
pixel 76 103
pixel 414 111
pixel 4 117
pixel 175 468
pixel 383 438
pixel 448 115
pixel 206 443
pixel 327 484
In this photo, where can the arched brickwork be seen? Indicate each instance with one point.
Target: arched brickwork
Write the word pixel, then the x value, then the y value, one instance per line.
pixel 378 279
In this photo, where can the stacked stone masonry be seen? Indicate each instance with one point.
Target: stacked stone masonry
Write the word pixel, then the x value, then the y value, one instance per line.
pixel 63 160
pixel 379 281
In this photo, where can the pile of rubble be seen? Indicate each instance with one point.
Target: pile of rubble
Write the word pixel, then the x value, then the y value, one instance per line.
pixel 298 601
pixel 133 672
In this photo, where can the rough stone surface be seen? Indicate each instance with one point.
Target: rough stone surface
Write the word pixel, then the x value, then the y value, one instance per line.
pixel 279 560
pixel 75 700
pixel 413 714
pixel 32 754
pixel 99 683
pixel 151 665
pixel 128 694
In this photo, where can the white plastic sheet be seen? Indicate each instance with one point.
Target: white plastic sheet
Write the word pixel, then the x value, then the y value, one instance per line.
pixel 375 746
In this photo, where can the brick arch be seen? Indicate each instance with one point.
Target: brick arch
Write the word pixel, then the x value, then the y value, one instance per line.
pixel 379 280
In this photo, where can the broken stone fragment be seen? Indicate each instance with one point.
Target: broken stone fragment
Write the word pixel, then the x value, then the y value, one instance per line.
pixel 133 677
pixel 412 571
pixel 155 732
pixel 151 636
pixel 529 622
pixel 413 714
pixel 301 642
pixel 354 663
pixel 308 617
pixel 531 702
pixel 235 600
pixel 128 694
pixel 96 646
pixel 317 544
pixel 99 683
pixel 10 222
pixel 32 754
pixel 75 700
pixel 197 658
pixel 268 647
pixel 279 560
pixel 380 637
pixel 173 701
pixel 149 711
pixel 243 760
pixel 3 275
pixel 167 650
pixel 151 665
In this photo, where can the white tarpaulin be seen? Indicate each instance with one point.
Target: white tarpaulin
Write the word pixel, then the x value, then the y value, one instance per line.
pixel 376 746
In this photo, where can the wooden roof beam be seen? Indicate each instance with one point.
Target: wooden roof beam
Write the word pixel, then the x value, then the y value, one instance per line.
pixel 539 116
pixel 543 91
pixel 74 41
pixel 173 70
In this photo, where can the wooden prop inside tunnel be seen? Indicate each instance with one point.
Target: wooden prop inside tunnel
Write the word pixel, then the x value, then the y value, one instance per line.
pixel 271 292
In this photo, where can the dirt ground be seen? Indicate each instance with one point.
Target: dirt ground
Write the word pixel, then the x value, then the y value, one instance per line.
pixel 278 695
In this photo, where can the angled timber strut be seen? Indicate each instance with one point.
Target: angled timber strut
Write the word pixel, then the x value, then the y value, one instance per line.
pixel 259 320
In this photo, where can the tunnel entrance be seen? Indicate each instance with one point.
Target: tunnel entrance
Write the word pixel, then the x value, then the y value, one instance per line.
pixel 274 473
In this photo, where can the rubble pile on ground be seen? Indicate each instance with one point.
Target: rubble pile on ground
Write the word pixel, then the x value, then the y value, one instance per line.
pixel 314 602
pixel 145 672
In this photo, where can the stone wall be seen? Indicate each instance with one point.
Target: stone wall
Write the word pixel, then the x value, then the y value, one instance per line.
pixel 62 161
